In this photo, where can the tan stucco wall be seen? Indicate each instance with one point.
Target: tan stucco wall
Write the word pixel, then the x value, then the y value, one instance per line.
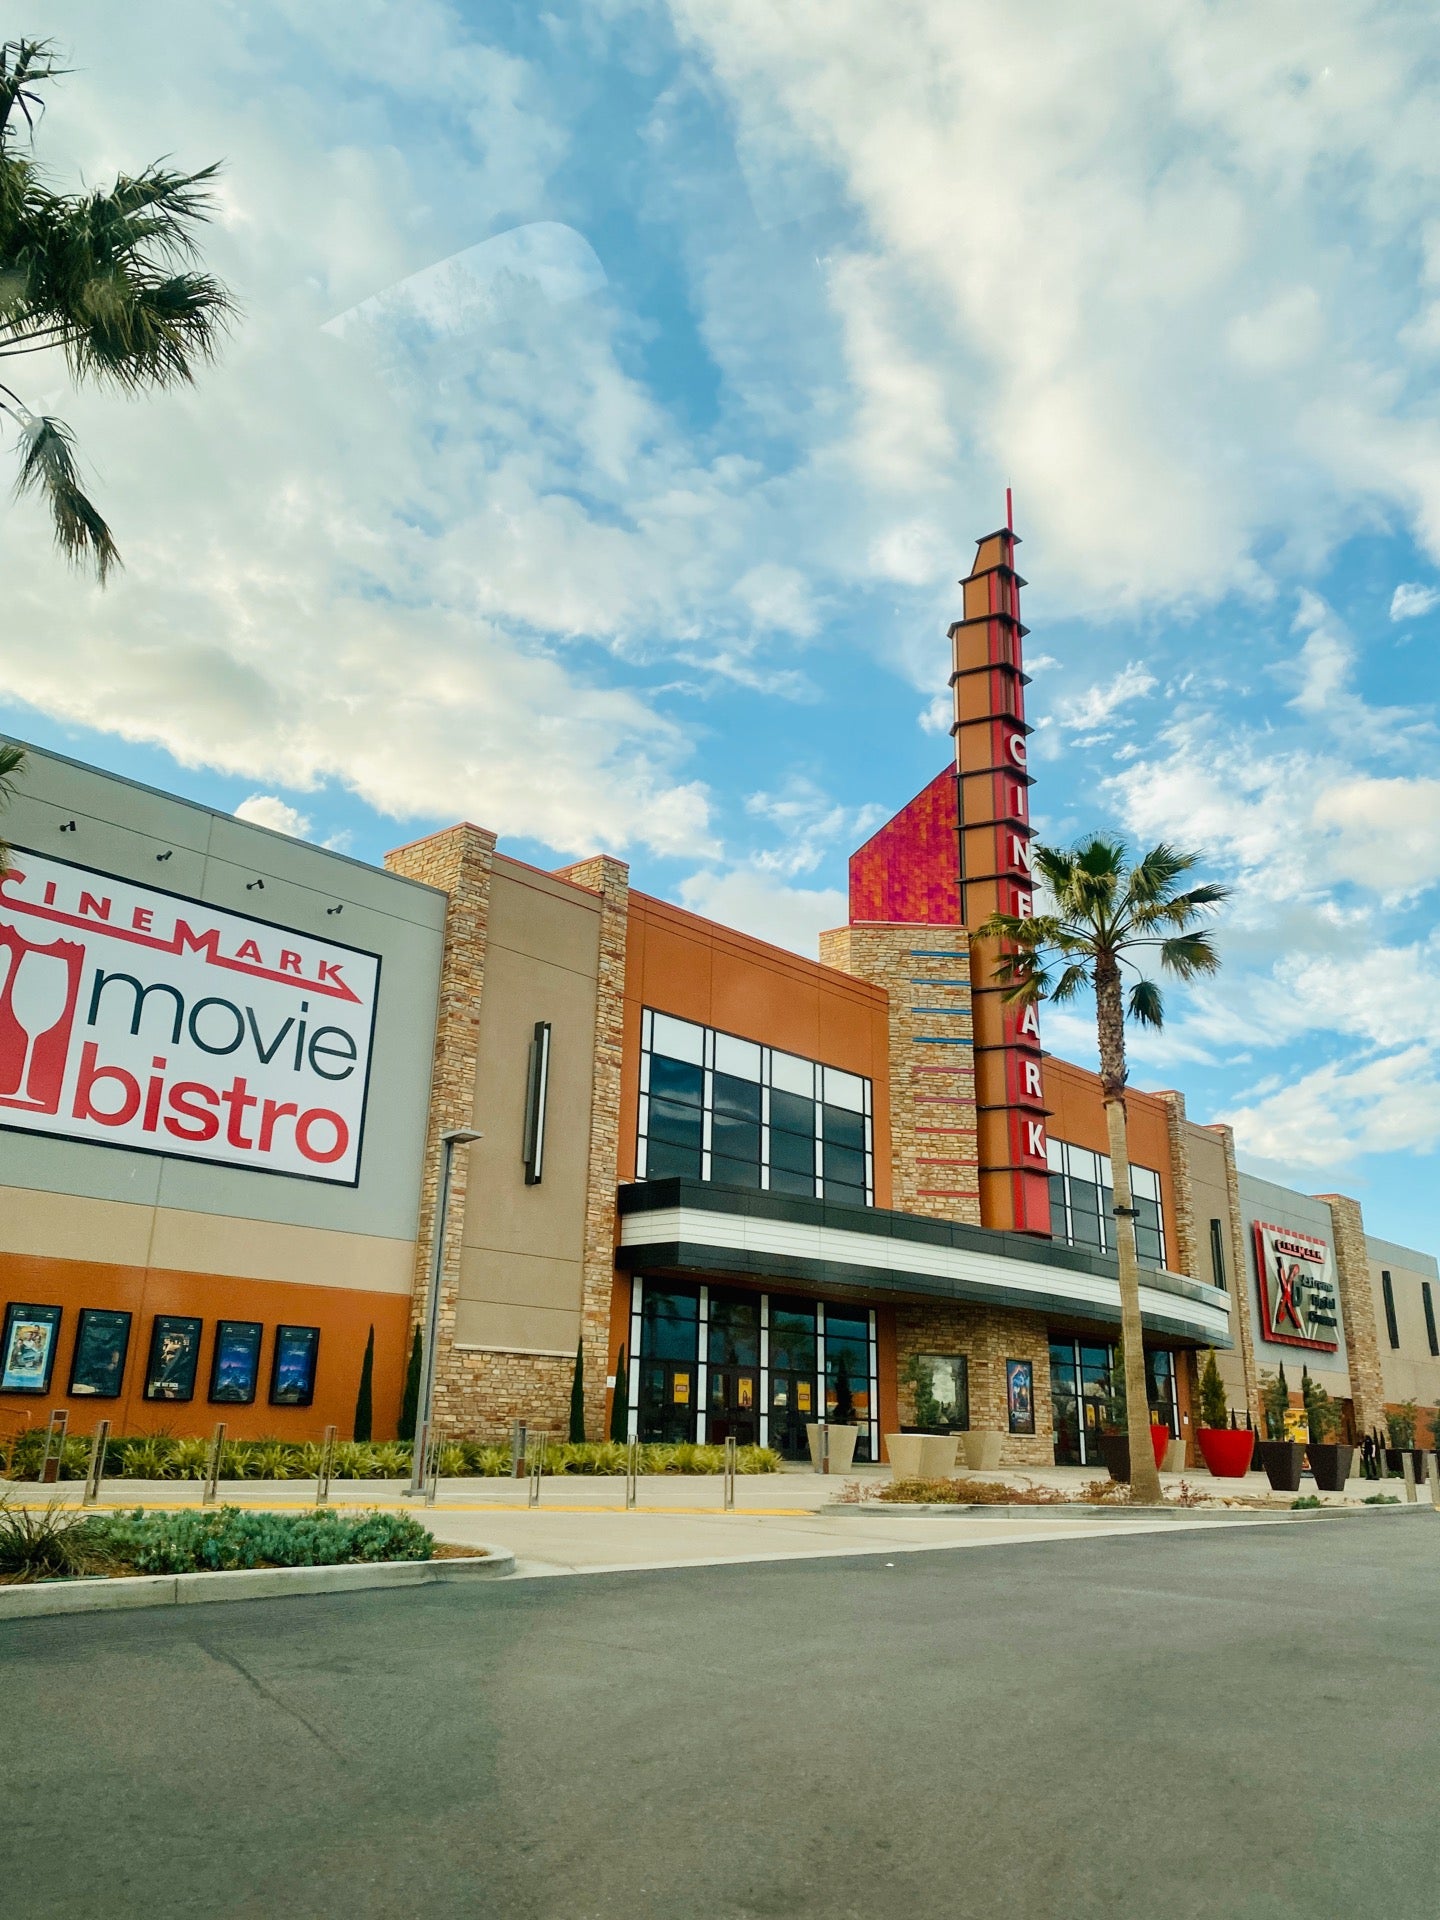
pixel 522 1247
pixel 1410 1372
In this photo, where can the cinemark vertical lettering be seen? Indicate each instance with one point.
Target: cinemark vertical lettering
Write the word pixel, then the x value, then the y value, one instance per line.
pixel 131 1017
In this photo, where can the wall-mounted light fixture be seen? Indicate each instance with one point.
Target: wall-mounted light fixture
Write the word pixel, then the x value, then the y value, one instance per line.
pixel 168 854
pixel 340 908
pixel 537 1091
pixel 251 885
pixel 67 826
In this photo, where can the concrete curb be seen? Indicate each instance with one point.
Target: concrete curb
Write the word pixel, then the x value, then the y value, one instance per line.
pixel 104 1595
pixel 1079 1510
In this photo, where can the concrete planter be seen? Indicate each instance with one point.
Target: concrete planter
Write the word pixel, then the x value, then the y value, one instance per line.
pixel 903 1452
pixel 842 1446
pixel 938 1456
pixel 1175 1454
pixel 982 1449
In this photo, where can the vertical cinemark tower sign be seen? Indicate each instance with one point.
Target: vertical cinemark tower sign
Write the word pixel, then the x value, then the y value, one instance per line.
pixel 991 755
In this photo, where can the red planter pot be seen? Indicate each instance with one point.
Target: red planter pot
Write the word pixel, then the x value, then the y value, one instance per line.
pixel 1160 1438
pixel 1226 1451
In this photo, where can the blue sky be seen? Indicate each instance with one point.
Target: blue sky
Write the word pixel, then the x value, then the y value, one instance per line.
pixel 635 520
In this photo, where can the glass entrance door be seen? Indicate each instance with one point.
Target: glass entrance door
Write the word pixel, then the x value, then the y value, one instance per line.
pixel 734 1409
pixel 792 1376
pixel 669 1372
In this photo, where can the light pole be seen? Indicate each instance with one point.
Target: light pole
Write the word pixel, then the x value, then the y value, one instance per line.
pixel 456 1137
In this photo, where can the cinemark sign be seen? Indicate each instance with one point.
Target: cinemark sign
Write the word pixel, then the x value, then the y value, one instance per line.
pixel 1297 1290
pixel 130 1017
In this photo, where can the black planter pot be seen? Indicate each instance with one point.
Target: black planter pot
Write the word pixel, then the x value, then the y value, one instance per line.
pixel 1115 1452
pixel 1283 1462
pixel 1393 1457
pixel 1330 1463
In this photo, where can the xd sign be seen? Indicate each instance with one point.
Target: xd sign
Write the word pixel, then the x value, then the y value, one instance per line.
pixel 1297 1290
pixel 135 1018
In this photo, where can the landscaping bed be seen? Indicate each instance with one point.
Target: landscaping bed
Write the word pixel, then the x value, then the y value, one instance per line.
pixel 158 1456
pixel 57 1543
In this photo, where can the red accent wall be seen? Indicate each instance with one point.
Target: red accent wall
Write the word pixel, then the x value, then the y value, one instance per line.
pixel 909 872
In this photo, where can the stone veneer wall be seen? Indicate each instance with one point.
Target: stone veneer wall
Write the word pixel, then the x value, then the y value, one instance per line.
pixel 1357 1312
pixel 460 862
pixel 932 1080
pixel 925 970
pixel 1185 1254
pixel 611 880
pixel 988 1337
pixel 1240 1267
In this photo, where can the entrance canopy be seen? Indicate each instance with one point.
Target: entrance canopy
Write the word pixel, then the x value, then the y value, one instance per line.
pixel 695 1227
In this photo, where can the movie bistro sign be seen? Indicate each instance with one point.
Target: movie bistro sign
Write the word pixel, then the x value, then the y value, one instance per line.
pixel 1297 1288
pixel 135 1018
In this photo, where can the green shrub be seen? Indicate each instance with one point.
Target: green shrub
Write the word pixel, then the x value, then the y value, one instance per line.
pixel 225 1539
pixel 1381 1500
pixel 451 1463
pixel 757 1460
pixel 190 1459
pixel 365 1397
pixel 492 1462
pixel 47 1545
pixel 1214 1408
pixel 390 1460
pixel 1401 1423
pixel 410 1399
pixel 1274 1403
pixel 1305 1501
pixel 147 1458
pixel 24 1453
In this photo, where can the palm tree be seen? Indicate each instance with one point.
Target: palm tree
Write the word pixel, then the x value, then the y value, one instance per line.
pixel 12 765
pixel 104 277
pixel 1106 910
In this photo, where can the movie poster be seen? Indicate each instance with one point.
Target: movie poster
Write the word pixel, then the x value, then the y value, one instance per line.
pixel 102 1340
pixel 1020 1395
pixel 174 1356
pixel 235 1368
pixel 292 1380
pixel 28 1348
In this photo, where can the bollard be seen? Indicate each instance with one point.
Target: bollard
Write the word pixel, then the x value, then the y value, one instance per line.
pixel 517 1449
pixel 212 1465
pixel 54 1447
pixel 327 1466
pixel 1407 1474
pixel 537 1470
pixel 731 1452
pixel 824 1446
pixel 96 1472
pixel 1432 1476
pixel 432 1466
pixel 632 1473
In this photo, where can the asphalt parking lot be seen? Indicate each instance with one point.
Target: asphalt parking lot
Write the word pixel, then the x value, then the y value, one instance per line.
pixel 1240 1721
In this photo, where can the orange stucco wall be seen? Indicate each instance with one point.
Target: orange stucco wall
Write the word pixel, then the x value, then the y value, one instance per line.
pixel 1077 1114
pixel 344 1317
pixel 697 970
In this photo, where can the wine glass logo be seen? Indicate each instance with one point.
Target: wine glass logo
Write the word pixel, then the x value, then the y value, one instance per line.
pixel 38 989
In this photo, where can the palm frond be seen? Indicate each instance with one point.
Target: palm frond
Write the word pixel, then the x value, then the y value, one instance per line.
pixel 1147 1004
pixel 23 65
pixel 1153 877
pixel 1189 954
pixel 47 467
pixel 1075 976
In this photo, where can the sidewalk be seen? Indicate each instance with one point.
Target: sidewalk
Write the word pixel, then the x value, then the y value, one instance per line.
pixel 581 1524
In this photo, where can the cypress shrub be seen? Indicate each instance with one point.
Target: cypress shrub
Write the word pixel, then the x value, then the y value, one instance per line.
pixel 410 1401
pixel 364 1399
pixel 1212 1394
pixel 620 1404
pixel 577 1397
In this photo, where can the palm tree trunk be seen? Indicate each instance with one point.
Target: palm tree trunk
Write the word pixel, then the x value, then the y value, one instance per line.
pixel 1110 1017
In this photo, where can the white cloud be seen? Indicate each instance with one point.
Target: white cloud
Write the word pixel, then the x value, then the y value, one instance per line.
pixel 1386 832
pixel 268 810
pixel 1410 600
pixel 1329 1116
pixel 761 904
pixel 1083 713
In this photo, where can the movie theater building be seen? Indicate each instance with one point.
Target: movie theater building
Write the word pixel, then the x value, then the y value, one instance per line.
pixel 215 1064
pixel 779 1189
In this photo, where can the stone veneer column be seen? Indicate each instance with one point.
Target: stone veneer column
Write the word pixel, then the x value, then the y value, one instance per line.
pixel 1240 1267
pixel 1182 1249
pixel 611 880
pixel 934 1156
pixel 1357 1311
pixel 459 861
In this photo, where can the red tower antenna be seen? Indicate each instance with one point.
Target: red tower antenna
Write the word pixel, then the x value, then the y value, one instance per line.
pixel 1009 511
